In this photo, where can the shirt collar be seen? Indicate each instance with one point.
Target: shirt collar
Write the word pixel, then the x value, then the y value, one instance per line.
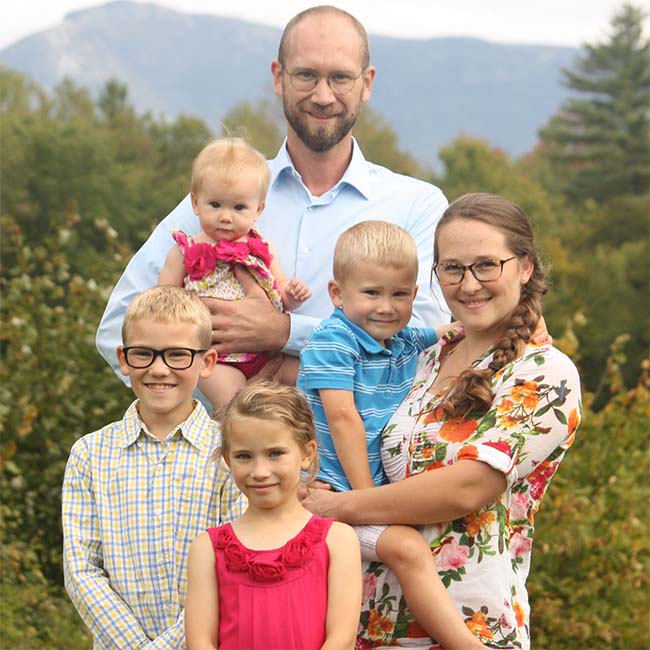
pixel 365 340
pixel 356 175
pixel 197 429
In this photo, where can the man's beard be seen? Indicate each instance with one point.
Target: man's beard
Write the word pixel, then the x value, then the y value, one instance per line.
pixel 321 138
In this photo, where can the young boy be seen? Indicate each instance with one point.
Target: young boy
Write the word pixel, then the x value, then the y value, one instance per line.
pixel 355 370
pixel 137 492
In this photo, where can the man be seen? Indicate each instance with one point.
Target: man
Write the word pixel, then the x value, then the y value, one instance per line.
pixel 320 185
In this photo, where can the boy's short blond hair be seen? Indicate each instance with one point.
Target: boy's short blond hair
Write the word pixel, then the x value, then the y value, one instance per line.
pixel 231 159
pixel 374 242
pixel 167 304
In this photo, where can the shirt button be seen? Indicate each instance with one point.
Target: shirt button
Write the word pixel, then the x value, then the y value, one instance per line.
pixel 157 512
pixel 304 250
pixel 310 208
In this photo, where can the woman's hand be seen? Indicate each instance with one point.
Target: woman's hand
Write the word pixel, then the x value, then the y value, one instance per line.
pixel 319 499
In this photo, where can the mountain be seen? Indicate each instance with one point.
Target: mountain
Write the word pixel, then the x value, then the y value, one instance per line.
pixel 430 91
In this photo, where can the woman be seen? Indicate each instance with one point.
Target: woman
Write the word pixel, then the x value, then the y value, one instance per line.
pixel 492 414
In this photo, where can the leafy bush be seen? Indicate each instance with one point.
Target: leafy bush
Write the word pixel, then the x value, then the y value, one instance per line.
pixel 54 387
pixel 589 583
pixel 35 615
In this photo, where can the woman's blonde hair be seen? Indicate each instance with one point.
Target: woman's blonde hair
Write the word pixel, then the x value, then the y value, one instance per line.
pixel 271 401
pixel 472 392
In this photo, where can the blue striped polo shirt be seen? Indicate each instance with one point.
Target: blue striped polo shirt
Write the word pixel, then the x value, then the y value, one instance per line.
pixel 340 355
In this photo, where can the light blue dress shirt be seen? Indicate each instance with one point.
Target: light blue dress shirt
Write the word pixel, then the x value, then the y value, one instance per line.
pixel 304 229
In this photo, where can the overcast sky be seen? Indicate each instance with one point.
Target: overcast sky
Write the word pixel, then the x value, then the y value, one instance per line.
pixel 552 22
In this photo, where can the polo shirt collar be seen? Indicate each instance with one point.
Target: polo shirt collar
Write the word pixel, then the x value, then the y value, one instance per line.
pixel 356 175
pixel 365 340
pixel 197 429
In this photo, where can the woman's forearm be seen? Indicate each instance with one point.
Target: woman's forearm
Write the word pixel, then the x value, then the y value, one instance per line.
pixel 442 494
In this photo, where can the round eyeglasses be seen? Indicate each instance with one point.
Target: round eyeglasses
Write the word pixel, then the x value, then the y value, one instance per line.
pixel 484 270
pixel 306 80
pixel 174 358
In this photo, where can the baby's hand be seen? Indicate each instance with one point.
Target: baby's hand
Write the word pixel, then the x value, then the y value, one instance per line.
pixel 295 293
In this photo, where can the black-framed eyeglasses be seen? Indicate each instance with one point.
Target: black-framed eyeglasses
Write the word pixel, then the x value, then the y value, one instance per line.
pixel 140 357
pixel 484 270
pixel 306 80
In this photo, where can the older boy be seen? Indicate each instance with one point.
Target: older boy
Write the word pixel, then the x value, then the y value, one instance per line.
pixel 355 370
pixel 137 492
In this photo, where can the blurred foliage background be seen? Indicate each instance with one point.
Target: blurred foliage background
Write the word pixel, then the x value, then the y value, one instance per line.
pixel 84 181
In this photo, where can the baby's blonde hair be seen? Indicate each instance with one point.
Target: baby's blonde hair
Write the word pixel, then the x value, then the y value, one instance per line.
pixel 374 242
pixel 167 304
pixel 275 402
pixel 231 159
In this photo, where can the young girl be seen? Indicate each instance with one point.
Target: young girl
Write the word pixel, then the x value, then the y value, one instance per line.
pixel 278 577
pixel 229 184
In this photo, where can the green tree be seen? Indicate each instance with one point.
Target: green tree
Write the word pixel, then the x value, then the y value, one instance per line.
pixel 260 124
pixel 589 582
pixel 601 137
pixel 380 144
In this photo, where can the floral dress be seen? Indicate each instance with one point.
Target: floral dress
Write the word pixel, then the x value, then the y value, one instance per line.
pixel 483 558
pixel 210 272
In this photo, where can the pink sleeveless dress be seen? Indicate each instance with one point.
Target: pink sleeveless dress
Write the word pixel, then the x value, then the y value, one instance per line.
pixel 273 599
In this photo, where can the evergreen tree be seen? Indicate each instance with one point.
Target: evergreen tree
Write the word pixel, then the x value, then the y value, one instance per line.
pixel 602 134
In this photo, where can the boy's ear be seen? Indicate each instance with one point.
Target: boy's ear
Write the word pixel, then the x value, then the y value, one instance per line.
pixel 195 205
pixel 124 369
pixel 208 363
pixel 415 291
pixel 334 290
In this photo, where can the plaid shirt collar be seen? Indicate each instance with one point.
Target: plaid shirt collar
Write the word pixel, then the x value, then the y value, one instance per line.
pixel 195 429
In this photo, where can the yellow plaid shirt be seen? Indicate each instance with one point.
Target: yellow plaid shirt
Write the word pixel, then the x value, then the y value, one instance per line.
pixel 132 504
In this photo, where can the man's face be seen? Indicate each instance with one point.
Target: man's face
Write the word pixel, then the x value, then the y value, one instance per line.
pixel 324 45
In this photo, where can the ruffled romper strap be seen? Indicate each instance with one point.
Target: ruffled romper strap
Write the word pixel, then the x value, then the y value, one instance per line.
pixel 184 241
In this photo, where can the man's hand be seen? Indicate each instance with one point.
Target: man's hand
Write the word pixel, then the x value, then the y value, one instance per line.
pixel 252 324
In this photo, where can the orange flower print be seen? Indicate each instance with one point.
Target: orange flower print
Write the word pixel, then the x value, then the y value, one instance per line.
pixel 519 613
pixel 574 420
pixel 526 394
pixel 433 416
pixel 427 453
pixel 378 627
pixel 457 430
pixel 435 465
pixel 479 627
pixel 476 521
pixel 508 422
pixel 505 406
pixel 468 452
